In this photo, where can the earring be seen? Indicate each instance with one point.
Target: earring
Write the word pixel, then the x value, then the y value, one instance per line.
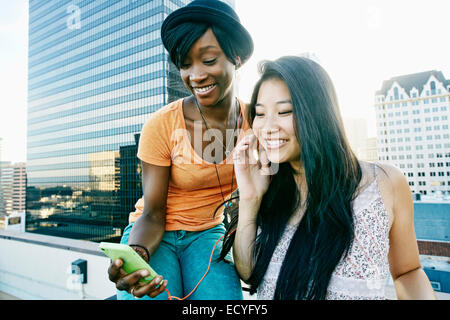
pixel 238 58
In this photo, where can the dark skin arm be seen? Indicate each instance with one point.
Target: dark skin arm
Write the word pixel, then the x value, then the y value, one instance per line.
pixel 147 231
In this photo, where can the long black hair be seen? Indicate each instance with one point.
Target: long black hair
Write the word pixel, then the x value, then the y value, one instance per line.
pixel 181 38
pixel 332 174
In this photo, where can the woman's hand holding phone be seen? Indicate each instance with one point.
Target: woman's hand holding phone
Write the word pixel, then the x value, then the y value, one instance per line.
pixel 132 282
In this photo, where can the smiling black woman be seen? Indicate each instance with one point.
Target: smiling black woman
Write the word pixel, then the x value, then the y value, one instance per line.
pixel 175 227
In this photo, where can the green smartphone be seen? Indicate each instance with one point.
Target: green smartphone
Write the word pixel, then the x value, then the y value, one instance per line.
pixel 132 261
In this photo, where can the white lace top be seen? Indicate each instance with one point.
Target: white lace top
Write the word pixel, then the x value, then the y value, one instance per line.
pixel 363 274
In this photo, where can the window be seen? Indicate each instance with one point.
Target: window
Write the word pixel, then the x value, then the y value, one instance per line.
pixel 433 88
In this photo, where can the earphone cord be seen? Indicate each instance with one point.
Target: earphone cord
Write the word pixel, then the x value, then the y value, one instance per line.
pixel 210 259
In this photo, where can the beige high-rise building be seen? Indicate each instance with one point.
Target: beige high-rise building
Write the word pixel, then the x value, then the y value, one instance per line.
pixel 369 152
pixel 356 131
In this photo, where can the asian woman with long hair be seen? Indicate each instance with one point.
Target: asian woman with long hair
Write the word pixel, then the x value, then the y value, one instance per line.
pixel 320 224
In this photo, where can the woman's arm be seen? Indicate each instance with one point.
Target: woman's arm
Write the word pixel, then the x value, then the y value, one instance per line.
pixel 149 228
pixel 253 181
pixel 410 280
pixel 245 237
pixel 147 231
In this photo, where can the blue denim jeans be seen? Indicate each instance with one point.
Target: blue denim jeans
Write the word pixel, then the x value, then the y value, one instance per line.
pixel 182 258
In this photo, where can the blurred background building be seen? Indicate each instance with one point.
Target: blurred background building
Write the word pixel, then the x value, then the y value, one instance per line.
pixel 364 147
pixel 12 186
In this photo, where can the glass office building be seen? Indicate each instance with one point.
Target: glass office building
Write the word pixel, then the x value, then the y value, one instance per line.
pixel 97 70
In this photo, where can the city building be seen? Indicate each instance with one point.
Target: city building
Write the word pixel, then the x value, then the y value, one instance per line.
pixel 356 132
pixel 13 186
pixel 370 151
pixel 365 148
pixel 97 70
pixel 413 120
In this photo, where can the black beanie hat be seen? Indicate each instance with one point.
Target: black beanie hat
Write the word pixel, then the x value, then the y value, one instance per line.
pixel 214 12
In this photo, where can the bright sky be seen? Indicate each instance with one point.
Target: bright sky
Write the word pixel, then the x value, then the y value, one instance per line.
pixel 359 42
